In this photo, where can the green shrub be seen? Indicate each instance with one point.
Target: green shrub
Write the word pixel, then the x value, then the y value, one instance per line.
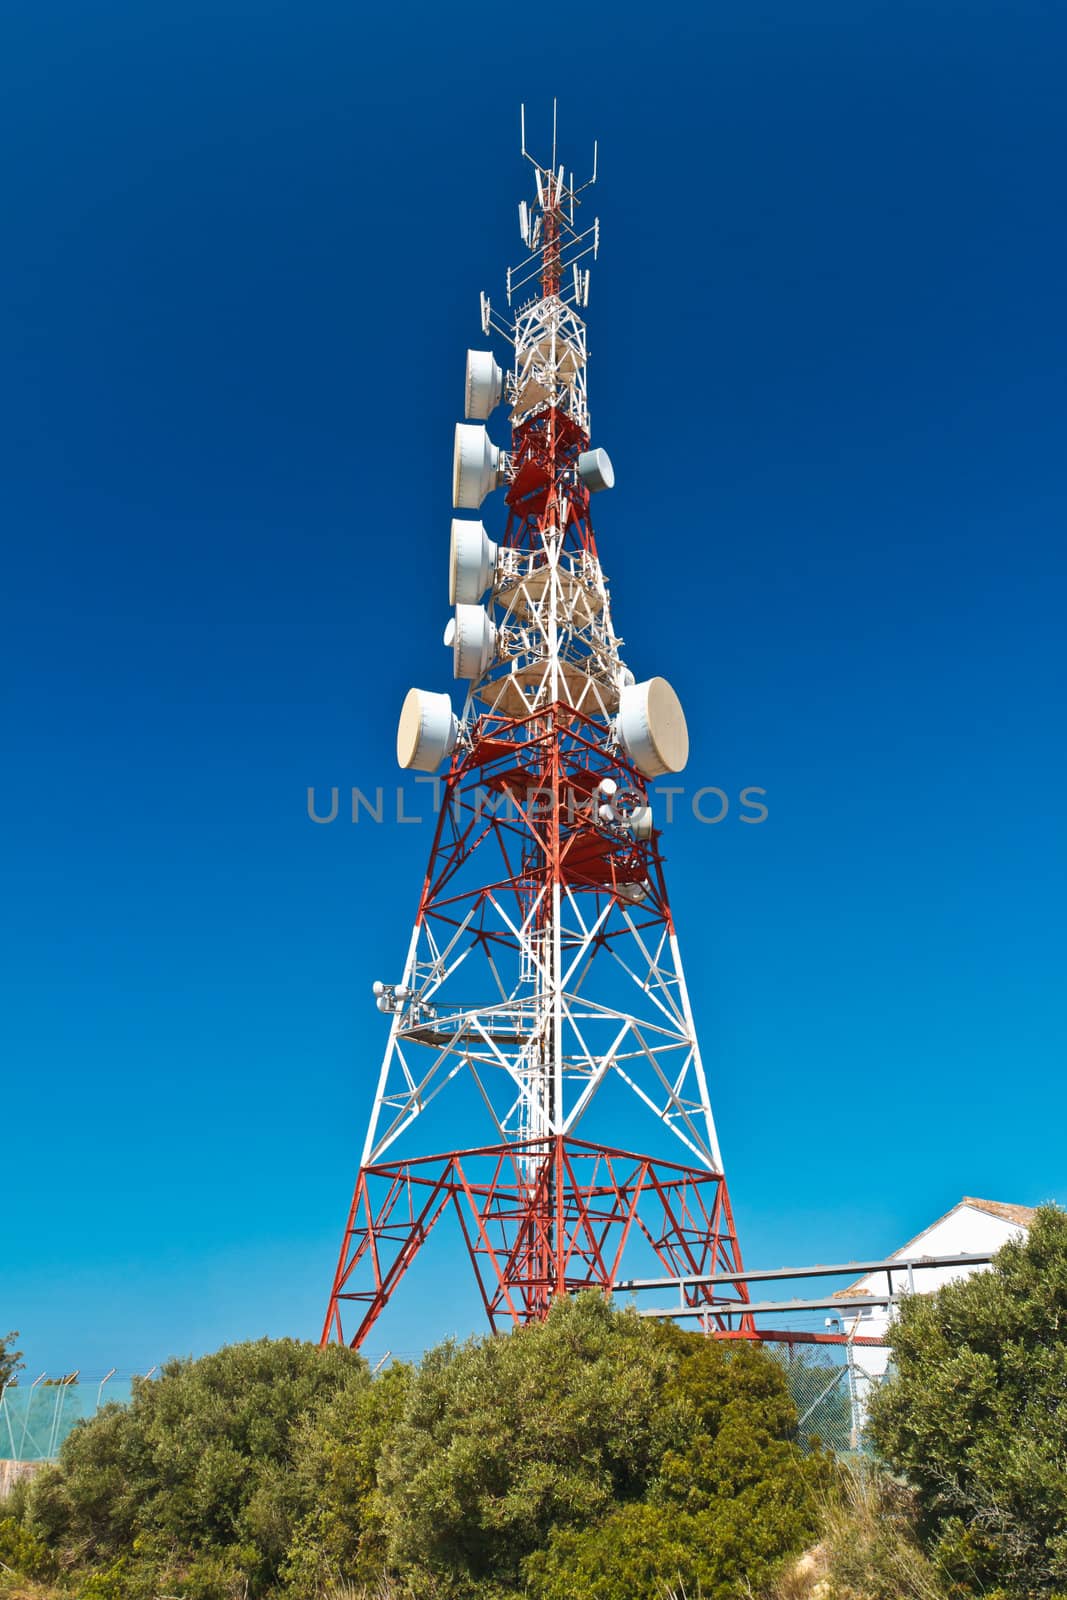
pixel 596 1456
pixel 597 1443
pixel 503 1440
pixel 732 1498
pixel 341 1537
pixel 976 1417
pixel 196 1476
pixel 21 1551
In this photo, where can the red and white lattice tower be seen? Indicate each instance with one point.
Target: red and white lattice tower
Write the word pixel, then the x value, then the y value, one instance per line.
pixel 543 967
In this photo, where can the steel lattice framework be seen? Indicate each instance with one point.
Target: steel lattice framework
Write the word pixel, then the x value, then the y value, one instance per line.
pixel 543 963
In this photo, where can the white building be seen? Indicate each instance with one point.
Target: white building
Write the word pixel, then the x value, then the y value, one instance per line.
pixel 973 1226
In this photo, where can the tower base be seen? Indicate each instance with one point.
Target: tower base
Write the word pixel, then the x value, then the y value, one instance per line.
pixel 540 1219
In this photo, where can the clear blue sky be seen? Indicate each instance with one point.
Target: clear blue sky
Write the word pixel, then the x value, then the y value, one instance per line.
pixel 242 249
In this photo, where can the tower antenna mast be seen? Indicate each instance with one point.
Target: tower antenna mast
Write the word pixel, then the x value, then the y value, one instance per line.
pixel 542 996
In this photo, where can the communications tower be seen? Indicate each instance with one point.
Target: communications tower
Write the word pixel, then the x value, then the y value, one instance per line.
pixel 543 974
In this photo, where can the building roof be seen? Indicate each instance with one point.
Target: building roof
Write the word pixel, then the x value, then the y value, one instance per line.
pixel 1018 1216
pixel 1022 1216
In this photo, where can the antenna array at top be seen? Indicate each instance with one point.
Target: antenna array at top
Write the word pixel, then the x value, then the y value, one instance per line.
pixel 548 229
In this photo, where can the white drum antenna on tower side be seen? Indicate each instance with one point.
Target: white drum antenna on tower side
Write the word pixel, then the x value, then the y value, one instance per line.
pixel 651 727
pixel 471 564
pixel 427 731
pixel 484 384
pixel 478 466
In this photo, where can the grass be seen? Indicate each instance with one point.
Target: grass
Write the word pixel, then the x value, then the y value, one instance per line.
pixel 868 1549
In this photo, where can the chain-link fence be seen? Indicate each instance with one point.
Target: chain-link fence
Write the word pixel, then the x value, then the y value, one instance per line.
pixel 829 1385
pixel 35 1418
pixel 831 1390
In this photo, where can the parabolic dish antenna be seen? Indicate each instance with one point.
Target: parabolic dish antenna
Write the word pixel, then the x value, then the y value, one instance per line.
pixel 476 466
pixel 652 728
pixel 471 562
pixel 640 822
pixel 484 385
pixel 427 731
pixel 596 471
pixel 473 641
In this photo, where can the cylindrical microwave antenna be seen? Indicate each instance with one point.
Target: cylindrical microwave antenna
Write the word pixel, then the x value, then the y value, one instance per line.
pixel 473 641
pixel 477 466
pixel 596 471
pixel 484 385
pixel 427 731
pixel 471 562
pixel 651 727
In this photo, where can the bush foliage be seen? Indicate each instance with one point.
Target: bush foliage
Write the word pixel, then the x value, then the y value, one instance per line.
pixel 976 1417
pixel 11 1362
pixel 195 1477
pixel 596 1454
